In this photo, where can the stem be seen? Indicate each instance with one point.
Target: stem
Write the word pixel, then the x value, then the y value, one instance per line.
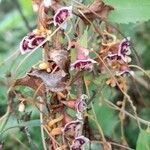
pixel 42 131
pixel 96 120
pixel 22 15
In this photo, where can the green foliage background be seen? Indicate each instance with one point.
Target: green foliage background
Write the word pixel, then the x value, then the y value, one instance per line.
pixel 131 17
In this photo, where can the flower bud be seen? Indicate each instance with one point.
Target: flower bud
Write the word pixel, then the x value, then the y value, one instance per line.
pixel 43 66
pixel 21 107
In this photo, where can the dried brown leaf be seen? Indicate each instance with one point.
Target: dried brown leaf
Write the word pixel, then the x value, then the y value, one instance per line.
pixel 97 7
pixel 53 81
pixel 33 82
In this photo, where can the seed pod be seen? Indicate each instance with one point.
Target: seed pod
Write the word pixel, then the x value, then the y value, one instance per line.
pixel 43 66
pixel 54 121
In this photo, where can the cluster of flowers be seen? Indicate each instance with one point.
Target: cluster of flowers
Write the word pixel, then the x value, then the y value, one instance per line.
pixel 122 58
pixel 37 38
pixel 76 125
pixel 83 61
pixel 34 39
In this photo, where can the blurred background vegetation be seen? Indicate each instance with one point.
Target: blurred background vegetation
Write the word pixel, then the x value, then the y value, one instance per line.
pixel 16 20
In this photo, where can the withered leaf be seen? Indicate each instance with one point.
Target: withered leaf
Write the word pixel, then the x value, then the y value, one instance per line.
pixel 33 82
pixel 97 7
pixel 39 80
pixel 53 81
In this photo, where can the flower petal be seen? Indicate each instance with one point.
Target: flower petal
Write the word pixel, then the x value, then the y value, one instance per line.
pixel 61 15
pixel 30 42
pixel 83 64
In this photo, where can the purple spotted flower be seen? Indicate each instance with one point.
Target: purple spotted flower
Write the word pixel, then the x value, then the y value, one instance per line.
pixel 83 62
pixel 61 15
pixel 124 50
pixel 79 142
pixel 124 70
pixel 30 42
pixel 73 126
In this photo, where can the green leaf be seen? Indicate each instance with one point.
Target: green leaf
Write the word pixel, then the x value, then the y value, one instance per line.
pixel 129 11
pixel 143 142
pixel 84 38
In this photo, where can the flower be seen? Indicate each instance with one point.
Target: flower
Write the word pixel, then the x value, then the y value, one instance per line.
pixel 61 15
pixel 79 142
pixel 30 42
pixel 124 70
pixel 81 106
pixel 122 53
pixel 124 50
pixel 112 56
pixel 73 126
pixel 83 61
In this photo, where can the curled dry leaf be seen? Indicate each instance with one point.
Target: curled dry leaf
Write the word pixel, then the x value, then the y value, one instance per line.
pixel 39 80
pixel 97 7
pixel 55 82
pixel 33 82
pixel 70 103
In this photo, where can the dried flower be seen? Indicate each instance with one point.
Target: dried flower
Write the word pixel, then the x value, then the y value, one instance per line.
pixel 111 81
pixel 73 126
pixel 79 142
pixel 61 15
pixel 83 61
pixel 30 42
pixel 124 70
pixel 81 106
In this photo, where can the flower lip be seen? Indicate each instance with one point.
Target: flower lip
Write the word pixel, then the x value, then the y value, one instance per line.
pixel 124 70
pixel 124 49
pixel 83 64
pixel 112 56
pixel 30 42
pixel 61 15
